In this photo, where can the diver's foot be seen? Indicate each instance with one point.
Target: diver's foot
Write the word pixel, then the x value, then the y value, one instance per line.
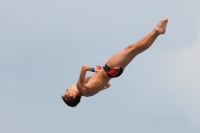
pixel 161 26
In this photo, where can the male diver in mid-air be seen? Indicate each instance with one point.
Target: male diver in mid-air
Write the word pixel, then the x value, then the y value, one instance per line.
pixel 113 68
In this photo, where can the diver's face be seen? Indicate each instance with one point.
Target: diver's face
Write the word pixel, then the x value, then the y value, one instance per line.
pixel 71 91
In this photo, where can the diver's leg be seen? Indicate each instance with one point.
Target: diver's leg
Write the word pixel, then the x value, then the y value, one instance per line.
pixel 146 47
pixel 124 57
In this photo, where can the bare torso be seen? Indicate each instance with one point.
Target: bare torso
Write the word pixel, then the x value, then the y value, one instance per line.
pixel 94 84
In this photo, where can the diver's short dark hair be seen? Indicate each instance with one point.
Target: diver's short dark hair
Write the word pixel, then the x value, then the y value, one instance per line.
pixel 72 102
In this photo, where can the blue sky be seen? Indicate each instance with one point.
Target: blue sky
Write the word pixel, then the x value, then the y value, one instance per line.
pixel 45 43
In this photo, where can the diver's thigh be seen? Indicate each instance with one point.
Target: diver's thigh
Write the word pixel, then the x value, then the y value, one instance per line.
pixel 118 59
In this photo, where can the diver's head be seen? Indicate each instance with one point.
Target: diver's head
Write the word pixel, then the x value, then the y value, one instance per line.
pixel 72 96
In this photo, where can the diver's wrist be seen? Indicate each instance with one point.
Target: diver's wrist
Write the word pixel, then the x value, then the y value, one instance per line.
pixel 93 69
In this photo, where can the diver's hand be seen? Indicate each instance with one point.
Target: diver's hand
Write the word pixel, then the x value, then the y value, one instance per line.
pixel 97 68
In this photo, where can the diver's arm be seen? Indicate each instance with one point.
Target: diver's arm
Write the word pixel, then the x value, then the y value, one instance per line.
pixel 107 85
pixel 84 69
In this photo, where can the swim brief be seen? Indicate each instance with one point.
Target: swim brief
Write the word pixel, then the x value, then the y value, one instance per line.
pixel 112 73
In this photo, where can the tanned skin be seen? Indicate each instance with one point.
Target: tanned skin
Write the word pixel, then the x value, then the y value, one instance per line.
pixel 99 81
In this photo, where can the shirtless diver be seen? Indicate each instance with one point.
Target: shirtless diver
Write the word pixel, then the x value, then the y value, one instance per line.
pixel 113 68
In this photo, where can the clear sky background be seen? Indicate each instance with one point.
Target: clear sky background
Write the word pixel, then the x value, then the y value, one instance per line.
pixel 44 43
